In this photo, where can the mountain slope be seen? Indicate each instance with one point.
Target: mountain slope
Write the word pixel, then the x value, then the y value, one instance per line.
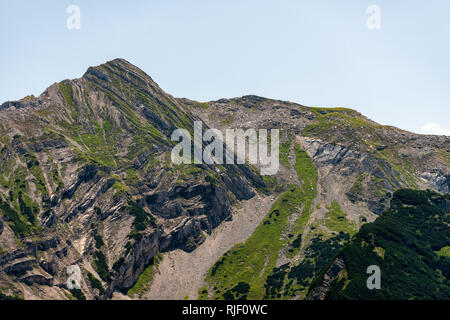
pixel 358 165
pixel 86 179
pixel 408 243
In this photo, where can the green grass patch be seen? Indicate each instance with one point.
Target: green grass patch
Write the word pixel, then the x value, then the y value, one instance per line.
pixel 145 278
pixel 336 220
pixel 445 252
pixel 17 222
pixel 101 266
pixel 78 294
pixel 285 149
pixel 95 283
pixel 202 105
pixel 248 264
pixel 98 241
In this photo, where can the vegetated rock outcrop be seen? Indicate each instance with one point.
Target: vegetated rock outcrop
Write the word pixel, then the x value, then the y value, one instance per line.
pixel 409 244
pixel 86 179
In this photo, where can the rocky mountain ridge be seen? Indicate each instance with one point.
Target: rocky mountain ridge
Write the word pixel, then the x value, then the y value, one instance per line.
pixel 86 179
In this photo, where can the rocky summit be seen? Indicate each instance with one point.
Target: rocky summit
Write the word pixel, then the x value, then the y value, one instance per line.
pixel 92 207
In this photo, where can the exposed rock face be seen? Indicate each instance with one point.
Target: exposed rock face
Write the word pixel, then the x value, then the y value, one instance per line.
pixel 19 266
pixel 345 162
pixel 320 291
pixel 88 159
pixel 37 279
pixel 373 160
pixel 86 176
pixel 21 104
pixel 438 180
pixel 136 262
pixel 208 201
pixel 332 154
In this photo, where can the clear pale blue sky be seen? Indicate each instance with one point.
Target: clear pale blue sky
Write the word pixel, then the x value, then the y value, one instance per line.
pixel 316 52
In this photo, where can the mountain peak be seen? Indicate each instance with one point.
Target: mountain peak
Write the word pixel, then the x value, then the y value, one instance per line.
pixel 117 67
